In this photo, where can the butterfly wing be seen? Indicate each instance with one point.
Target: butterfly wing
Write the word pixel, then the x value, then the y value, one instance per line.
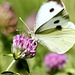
pixel 47 11
pixel 61 19
pixel 58 41
pixel 70 25
pixel 53 29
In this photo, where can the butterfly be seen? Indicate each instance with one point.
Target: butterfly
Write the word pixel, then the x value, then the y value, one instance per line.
pixel 53 28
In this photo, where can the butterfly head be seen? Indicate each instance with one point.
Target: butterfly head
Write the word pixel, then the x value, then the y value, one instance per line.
pixel 33 35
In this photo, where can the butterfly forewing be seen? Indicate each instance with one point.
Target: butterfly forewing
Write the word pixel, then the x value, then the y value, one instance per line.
pixel 47 11
pixel 61 19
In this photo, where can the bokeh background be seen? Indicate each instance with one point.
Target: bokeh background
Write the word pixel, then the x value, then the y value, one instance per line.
pixel 23 9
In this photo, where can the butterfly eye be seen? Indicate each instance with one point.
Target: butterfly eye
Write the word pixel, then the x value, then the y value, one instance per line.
pixel 57 21
pixel 52 9
pixel 59 27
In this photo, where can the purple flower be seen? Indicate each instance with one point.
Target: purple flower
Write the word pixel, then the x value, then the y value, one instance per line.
pixel 8 19
pixel 55 61
pixel 31 20
pixel 24 47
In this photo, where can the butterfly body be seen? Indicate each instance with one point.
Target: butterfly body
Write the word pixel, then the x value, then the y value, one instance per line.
pixel 53 28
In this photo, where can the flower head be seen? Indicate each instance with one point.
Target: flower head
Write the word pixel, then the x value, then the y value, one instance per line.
pixel 31 20
pixel 55 61
pixel 24 47
pixel 8 20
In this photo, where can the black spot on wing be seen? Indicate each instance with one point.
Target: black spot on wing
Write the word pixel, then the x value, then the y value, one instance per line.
pixel 57 21
pixel 58 27
pixel 52 9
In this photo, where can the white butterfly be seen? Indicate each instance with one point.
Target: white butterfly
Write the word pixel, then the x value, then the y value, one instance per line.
pixel 53 28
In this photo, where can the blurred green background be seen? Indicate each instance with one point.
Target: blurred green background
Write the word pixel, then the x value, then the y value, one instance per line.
pixel 23 8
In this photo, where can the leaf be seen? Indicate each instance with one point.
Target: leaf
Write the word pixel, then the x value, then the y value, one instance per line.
pixel 8 55
pixel 7 73
pixel 25 64
pixel 70 70
pixel 17 74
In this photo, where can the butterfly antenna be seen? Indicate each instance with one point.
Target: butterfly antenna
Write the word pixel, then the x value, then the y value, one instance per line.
pixel 24 23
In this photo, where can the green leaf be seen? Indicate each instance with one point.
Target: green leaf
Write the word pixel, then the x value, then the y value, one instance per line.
pixel 7 73
pixel 70 70
pixel 11 55
pixel 25 64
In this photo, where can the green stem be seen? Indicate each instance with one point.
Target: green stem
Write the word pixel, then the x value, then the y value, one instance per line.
pixel 29 73
pixel 10 65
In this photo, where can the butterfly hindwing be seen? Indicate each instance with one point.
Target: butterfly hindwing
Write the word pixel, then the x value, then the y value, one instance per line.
pixel 58 41
pixel 70 25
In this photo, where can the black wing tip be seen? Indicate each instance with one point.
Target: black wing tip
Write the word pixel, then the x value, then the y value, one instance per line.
pixel 58 1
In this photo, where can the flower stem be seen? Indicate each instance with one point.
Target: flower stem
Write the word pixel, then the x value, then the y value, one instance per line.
pixel 10 65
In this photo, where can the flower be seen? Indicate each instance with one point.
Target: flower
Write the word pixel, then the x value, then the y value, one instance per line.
pixel 8 19
pixel 24 47
pixel 54 61
pixel 31 20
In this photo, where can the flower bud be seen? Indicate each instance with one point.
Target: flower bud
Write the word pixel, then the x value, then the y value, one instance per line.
pixel 8 19
pixel 24 47
pixel 54 61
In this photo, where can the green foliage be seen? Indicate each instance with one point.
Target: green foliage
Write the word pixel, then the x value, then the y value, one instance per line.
pixel 25 65
pixel 7 73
